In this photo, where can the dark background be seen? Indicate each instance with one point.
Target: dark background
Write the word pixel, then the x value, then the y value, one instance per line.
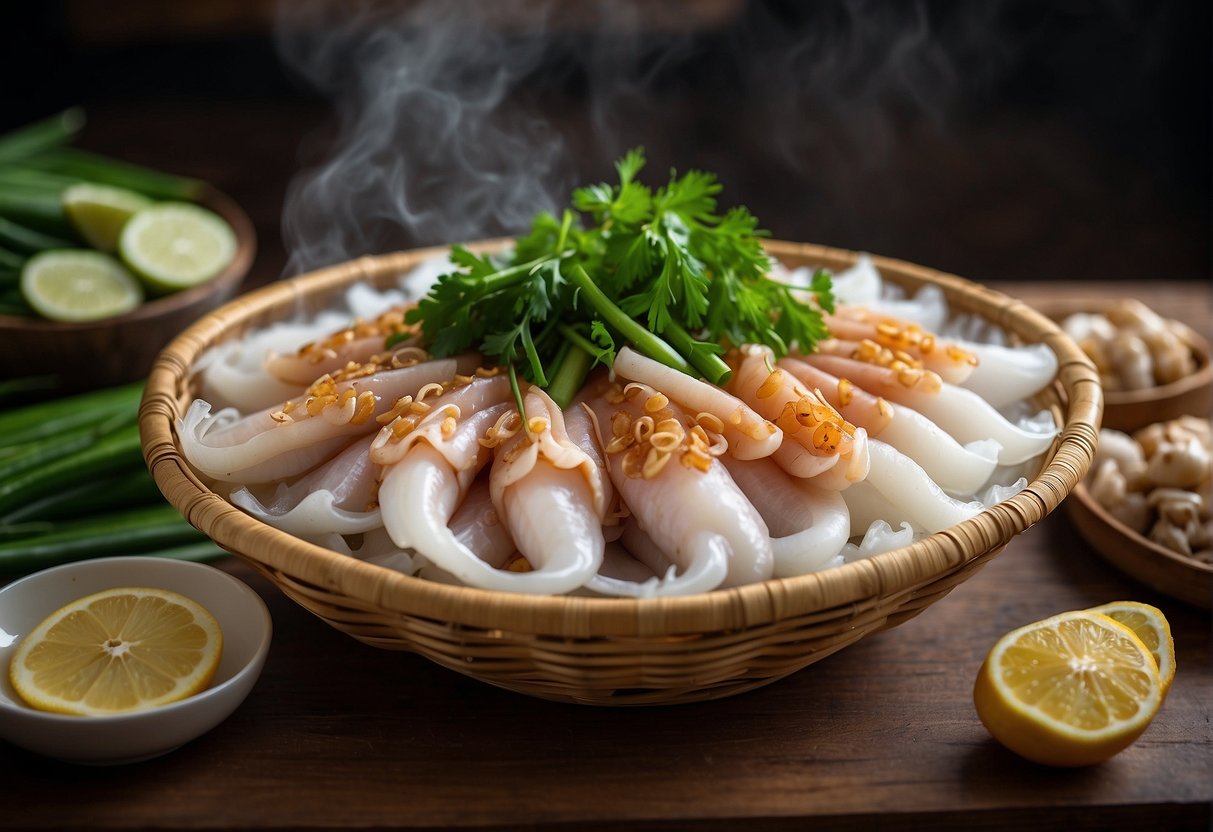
pixel 998 140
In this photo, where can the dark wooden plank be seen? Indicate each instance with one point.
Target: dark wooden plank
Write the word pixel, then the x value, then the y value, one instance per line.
pixel 881 735
pixel 338 734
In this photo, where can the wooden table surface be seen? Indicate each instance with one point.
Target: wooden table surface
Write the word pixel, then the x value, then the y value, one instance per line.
pixel 882 735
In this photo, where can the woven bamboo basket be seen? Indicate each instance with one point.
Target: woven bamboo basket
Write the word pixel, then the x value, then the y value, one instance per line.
pixel 617 651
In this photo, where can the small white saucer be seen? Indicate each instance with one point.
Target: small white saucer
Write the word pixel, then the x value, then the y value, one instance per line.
pixel 128 738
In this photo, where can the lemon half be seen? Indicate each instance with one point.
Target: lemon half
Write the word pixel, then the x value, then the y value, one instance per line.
pixel 1070 690
pixel 1150 625
pixel 118 651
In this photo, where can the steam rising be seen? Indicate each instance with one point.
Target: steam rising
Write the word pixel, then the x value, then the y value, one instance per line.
pixel 460 119
pixel 424 142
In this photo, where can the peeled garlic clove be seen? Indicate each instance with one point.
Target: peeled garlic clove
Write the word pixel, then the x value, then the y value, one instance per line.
pixel 1179 465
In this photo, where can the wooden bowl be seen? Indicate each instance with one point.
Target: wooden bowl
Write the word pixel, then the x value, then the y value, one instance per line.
pixel 607 650
pixel 1162 569
pixel 1130 410
pixel 123 348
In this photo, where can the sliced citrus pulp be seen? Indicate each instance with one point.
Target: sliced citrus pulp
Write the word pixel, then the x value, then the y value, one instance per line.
pixel 99 212
pixel 75 286
pixel 1070 690
pixel 118 651
pixel 176 245
pixel 1150 625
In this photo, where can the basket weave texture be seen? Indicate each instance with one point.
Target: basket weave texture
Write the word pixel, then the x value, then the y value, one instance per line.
pixel 618 651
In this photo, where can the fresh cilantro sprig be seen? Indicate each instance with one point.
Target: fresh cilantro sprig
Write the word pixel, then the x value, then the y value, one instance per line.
pixel 660 269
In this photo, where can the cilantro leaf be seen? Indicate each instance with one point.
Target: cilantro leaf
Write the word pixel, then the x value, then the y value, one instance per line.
pixel 660 269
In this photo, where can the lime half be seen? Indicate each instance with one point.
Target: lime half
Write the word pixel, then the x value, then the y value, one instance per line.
pixel 75 286
pixel 175 245
pixel 99 212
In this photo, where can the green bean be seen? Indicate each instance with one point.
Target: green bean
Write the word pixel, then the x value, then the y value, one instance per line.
pixel 92 167
pixel 41 135
pixel 27 240
pixel 36 209
pixel 112 453
pixel 40 452
pixel 34 179
pixel 132 532
pixel 19 531
pixel 46 419
pixel 126 490
pixel 11 259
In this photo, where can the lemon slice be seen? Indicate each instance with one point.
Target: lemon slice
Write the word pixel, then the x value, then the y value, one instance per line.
pixel 76 286
pixel 175 245
pixel 99 212
pixel 1150 625
pixel 1070 690
pixel 118 651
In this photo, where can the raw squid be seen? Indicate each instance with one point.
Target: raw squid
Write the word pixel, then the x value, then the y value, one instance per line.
pixel 808 525
pixel 338 497
pixel 857 332
pixel 1008 374
pixel 897 489
pixel 232 375
pixel 962 413
pixel 357 343
pixel 998 373
pixel 663 466
pixel 282 442
pixel 959 469
pixel 430 469
pixel 552 495
pixel 640 568
pixel 749 435
pixel 658 485
pixel 816 437
pixel 478 527
pixel 420 492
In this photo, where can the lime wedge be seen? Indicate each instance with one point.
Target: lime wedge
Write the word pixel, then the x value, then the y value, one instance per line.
pixel 76 286
pixel 175 245
pixel 99 212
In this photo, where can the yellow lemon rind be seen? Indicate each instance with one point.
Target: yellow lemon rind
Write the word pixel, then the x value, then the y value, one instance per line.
pixel 191 684
pixel 1039 737
pixel 1166 647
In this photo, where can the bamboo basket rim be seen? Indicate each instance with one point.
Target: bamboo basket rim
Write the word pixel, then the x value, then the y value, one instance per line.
pixel 375 589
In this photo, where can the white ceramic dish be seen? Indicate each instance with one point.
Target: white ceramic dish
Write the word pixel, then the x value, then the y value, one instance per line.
pixel 128 738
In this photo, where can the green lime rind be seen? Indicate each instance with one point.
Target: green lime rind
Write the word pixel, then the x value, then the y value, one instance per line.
pixel 175 245
pixel 78 286
pixel 100 212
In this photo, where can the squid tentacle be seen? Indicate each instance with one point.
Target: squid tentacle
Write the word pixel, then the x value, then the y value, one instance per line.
pixel 678 493
pixel 551 494
pixel 958 411
pixel 282 442
pixel 816 436
pixel 808 525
